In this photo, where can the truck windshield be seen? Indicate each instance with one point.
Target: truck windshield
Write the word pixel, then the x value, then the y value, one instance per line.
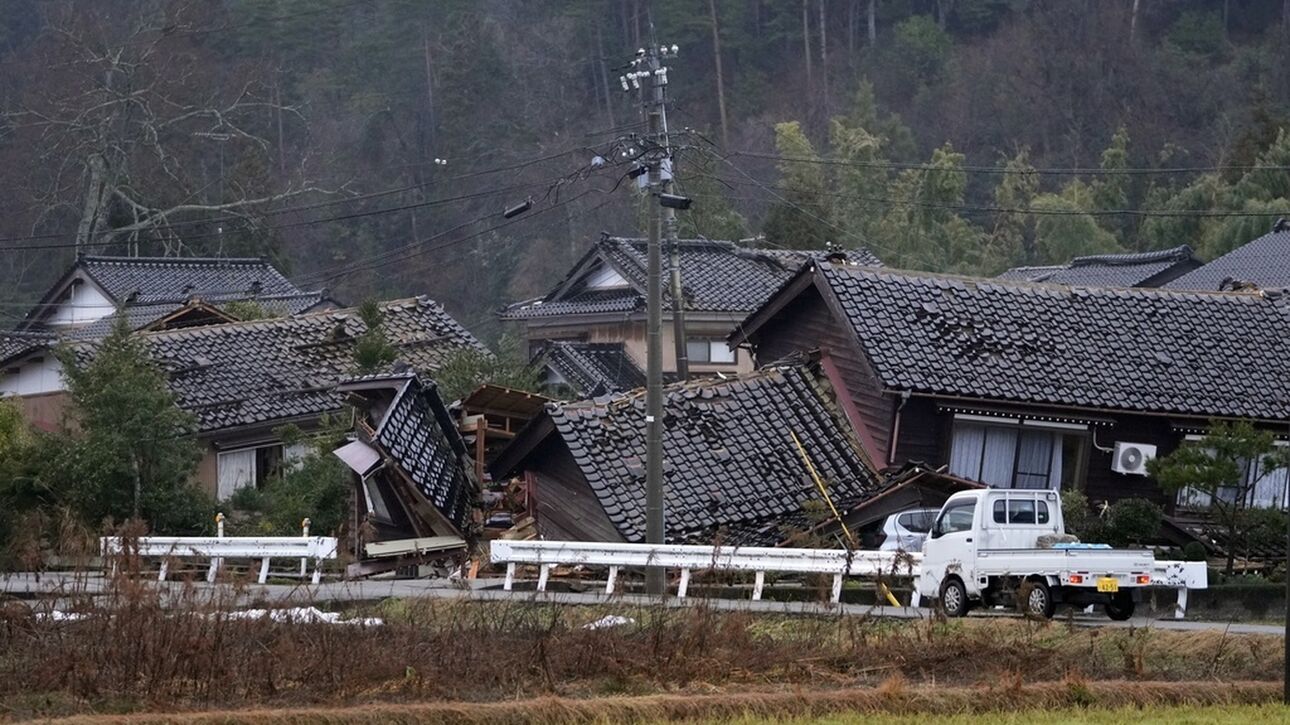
pixel 957 517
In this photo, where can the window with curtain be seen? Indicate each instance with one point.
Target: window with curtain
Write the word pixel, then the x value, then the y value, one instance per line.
pixel 1267 487
pixel 1015 456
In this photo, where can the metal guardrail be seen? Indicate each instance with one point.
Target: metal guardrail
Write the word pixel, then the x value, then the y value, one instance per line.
pixel 1181 576
pixel 838 562
pixel 217 548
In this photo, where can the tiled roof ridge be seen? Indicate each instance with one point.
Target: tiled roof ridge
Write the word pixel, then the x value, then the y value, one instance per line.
pixel 290 320
pixel 1161 292
pixel 1180 252
pixel 107 259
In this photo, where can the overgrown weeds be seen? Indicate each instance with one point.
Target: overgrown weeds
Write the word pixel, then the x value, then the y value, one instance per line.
pixel 144 647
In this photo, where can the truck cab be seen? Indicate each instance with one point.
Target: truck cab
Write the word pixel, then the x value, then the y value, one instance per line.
pixel 1009 546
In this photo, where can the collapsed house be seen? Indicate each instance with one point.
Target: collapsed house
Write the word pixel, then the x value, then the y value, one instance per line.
pixel 416 498
pixel 733 470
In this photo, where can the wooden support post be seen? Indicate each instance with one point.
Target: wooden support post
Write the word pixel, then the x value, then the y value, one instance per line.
pixel 837 588
pixel 613 579
pixel 165 565
pixel 481 432
pixel 510 577
pixel 543 575
pixel 264 570
pixel 758 585
pixel 684 585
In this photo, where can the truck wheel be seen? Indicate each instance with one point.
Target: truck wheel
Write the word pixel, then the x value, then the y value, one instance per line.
pixel 1038 600
pixel 1120 607
pixel 954 599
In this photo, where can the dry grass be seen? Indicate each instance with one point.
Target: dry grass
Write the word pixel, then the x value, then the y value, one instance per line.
pixel 135 653
pixel 857 705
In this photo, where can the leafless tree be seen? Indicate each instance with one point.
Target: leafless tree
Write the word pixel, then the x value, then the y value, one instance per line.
pixel 122 141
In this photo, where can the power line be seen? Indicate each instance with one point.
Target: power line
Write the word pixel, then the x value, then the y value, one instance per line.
pixel 318 205
pixel 1004 171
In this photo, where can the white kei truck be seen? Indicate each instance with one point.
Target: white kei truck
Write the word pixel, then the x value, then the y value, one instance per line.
pixel 1007 547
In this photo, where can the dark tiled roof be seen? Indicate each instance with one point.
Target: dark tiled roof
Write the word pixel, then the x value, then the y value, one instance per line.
pixel 245 373
pixel 1138 269
pixel 1264 263
pixel 13 343
pixel 717 276
pixel 418 434
pixel 149 279
pixel 593 368
pixel 730 465
pixel 1127 349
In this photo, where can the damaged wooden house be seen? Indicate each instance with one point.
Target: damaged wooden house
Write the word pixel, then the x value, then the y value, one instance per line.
pixel 734 472
pixel 1025 385
pixel 587 334
pixel 417 500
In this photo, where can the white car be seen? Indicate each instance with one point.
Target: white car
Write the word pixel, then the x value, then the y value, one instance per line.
pixel 907 530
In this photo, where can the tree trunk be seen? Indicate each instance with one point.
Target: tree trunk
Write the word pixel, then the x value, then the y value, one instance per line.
pixel 430 119
pixel 604 77
pixel 96 196
pixel 873 21
pixel 721 81
pixel 824 58
pixel 806 41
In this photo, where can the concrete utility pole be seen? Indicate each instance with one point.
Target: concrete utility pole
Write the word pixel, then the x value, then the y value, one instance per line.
pixel 650 76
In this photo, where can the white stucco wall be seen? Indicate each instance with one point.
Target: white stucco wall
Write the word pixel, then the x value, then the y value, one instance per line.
pixel 85 304
pixel 43 374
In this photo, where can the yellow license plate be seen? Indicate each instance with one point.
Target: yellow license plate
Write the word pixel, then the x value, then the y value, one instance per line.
pixel 1108 584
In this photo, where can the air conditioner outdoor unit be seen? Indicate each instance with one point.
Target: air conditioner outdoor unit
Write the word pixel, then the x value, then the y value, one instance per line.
pixel 1131 458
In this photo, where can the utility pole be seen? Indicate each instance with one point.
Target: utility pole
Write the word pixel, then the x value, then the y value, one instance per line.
pixel 650 76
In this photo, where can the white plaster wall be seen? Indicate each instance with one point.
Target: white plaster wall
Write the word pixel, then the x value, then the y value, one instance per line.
pixel 44 375
pixel 85 304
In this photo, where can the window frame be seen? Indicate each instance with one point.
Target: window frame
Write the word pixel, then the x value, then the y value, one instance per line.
pixel 1062 432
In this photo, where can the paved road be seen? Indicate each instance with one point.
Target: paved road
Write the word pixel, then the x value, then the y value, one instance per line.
pixel 64 588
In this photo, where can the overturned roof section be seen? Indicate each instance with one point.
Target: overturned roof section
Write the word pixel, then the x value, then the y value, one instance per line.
pixel 413 430
pixel 592 368
pixel 716 276
pixel 249 373
pixel 1139 269
pixel 1204 354
pixel 1262 263
pixel 731 467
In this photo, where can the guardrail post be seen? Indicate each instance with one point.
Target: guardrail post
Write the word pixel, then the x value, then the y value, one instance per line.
pixel 264 570
pixel 165 564
pixel 758 584
pixel 542 577
pixel 613 579
pixel 304 563
pixel 216 562
pixel 1180 610
pixel 317 571
pixel 684 586
pixel 837 588
pixel 510 577
pixel 915 599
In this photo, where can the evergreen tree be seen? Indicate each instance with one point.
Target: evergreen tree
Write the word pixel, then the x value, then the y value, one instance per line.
pixel 802 220
pixel 1011 243
pixel 128 450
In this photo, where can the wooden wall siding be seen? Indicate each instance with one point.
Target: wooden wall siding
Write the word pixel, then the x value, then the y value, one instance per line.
pixel 807 323
pixel 565 507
